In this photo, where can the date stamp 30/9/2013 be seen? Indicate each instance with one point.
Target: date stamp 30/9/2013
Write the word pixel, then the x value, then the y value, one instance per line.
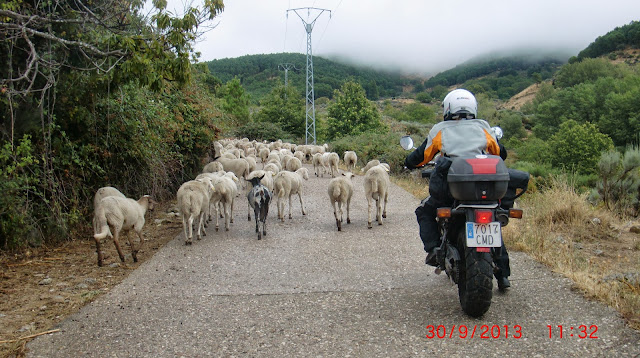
pixel 508 331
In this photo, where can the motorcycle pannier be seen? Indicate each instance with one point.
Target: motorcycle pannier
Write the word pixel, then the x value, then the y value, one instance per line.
pixel 482 177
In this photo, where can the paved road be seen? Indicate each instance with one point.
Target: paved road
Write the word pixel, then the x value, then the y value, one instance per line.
pixel 309 290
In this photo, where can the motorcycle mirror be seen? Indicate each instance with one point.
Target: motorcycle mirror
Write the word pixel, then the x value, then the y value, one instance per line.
pixel 498 132
pixel 406 143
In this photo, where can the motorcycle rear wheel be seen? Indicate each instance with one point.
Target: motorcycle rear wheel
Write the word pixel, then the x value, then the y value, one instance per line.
pixel 475 287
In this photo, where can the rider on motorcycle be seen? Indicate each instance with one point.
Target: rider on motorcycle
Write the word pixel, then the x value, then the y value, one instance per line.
pixel 460 134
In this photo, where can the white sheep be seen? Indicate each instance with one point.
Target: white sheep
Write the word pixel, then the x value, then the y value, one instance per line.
pixel 213 167
pixel 101 194
pixel 340 193
pixel 287 184
pixel 373 163
pixel 272 167
pixel 240 167
pixel 252 162
pixel 294 164
pixel 316 160
pixel 300 155
pixel 193 202
pixel 263 153
pixel 376 187
pixel 350 160
pixel 114 214
pixel 332 160
pixel 224 197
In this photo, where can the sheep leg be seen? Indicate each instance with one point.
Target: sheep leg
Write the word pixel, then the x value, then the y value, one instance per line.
pixel 249 212
pixel 290 207
pixel 100 256
pixel 134 249
pixel 217 216
pixel 335 215
pixel 280 205
pixel 302 204
pixel 233 199
pixel 256 214
pixel 369 211
pixel 384 212
pixel 201 227
pixel 264 211
pixel 348 205
pixel 227 215
pixel 190 236
pixel 117 243
pixel 379 210
pixel 184 228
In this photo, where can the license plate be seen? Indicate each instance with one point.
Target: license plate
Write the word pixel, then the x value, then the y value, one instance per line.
pixel 484 235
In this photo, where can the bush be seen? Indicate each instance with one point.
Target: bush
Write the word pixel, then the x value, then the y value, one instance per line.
pixel 578 147
pixel 260 131
pixel 373 145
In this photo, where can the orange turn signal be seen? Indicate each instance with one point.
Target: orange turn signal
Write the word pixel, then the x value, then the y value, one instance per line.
pixel 444 212
pixel 515 213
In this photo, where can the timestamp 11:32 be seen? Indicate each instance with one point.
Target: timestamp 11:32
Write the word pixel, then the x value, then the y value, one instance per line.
pixel 582 331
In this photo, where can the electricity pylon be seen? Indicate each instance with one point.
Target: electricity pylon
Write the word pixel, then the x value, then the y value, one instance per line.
pixel 310 120
pixel 286 67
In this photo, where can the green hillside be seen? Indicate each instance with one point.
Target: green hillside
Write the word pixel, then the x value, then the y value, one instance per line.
pixel 259 74
pixel 500 76
pixel 617 39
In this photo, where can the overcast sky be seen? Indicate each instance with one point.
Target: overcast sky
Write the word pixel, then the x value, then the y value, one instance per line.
pixel 419 36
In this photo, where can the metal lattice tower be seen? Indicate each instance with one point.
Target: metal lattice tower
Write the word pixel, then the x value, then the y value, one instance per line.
pixel 286 67
pixel 310 121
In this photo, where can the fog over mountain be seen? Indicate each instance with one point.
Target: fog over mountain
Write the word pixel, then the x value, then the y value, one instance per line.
pixel 413 36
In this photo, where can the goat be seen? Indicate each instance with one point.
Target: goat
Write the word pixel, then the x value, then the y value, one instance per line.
pixel 259 198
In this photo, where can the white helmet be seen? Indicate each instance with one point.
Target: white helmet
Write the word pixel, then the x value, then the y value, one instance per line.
pixel 459 103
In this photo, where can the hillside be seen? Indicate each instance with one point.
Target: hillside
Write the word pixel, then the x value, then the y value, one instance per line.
pixel 259 74
pixel 617 39
pixel 500 76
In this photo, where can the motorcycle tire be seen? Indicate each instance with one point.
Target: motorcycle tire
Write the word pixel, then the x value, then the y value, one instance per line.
pixel 475 287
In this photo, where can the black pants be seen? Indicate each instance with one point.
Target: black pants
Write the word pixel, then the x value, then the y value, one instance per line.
pixel 430 235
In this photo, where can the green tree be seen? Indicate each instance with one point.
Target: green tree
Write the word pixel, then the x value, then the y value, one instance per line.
pixel 587 70
pixel 424 97
pixel 236 102
pixel 418 112
pixel 351 113
pixel 578 146
pixel 284 107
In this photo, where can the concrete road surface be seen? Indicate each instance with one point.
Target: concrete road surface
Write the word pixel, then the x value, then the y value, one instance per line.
pixel 307 290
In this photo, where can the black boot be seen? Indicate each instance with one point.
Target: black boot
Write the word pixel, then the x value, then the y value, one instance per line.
pixel 431 257
pixel 503 283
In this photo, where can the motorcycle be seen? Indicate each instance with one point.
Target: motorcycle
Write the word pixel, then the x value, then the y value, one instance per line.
pixel 483 191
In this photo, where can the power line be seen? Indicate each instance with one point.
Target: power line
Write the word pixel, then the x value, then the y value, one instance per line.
pixel 310 119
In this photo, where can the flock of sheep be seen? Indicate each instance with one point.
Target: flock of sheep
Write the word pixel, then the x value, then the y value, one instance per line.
pixel 213 192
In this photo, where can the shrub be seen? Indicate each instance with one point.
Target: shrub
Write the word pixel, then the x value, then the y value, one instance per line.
pixel 374 145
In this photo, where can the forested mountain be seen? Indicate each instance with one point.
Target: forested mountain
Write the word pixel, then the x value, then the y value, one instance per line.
pixel 500 76
pixel 259 74
pixel 617 39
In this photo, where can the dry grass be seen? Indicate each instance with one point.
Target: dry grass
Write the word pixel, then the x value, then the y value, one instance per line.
pixel 591 246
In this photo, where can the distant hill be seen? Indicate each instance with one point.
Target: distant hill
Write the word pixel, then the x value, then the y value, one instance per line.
pixel 259 74
pixel 619 38
pixel 500 76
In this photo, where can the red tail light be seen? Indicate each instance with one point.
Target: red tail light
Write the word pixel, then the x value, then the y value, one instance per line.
pixel 484 216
